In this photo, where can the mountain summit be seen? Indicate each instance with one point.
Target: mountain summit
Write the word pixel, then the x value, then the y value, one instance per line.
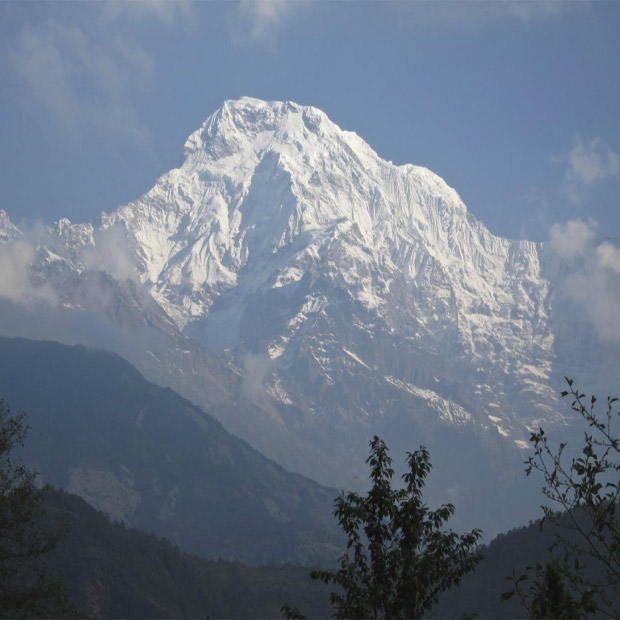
pixel 269 191
pixel 344 295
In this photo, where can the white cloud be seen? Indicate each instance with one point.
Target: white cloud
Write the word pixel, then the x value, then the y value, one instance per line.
pixel 110 254
pixel 572 240
pixel 588 162
pixel 608 256
pixel 84 81
pixel 260 21
pixel 593 281
pixel 166 11
pixel 15 261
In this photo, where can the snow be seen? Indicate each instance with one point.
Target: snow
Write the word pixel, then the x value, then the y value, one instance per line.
pixel 448 411
pixel 274 199
pixel 357 359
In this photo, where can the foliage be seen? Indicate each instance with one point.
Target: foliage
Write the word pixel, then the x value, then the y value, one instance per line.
pixel 25 589
pixel 543 592
pixel 584 491
pixel 551 598
pixel 398 559
pixel 113 571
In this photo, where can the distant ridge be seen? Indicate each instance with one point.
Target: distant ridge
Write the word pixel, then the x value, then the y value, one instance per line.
pixel 148 457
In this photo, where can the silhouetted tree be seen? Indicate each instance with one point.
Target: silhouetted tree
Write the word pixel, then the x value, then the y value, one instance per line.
pixel 25 537
pixel 398 558
pixel 584 491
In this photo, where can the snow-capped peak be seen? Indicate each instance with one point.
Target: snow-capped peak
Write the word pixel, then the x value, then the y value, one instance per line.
pixel 275 201
pixel 8 231
pixel 271 185
pixel 243 121
pixel 358 293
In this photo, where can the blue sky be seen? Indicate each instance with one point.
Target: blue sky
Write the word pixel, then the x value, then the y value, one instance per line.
pixel 516 105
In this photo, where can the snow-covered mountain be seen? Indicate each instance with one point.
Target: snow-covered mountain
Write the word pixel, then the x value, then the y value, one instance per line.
pixel 342 295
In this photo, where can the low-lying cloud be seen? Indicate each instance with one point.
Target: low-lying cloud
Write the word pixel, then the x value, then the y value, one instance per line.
pixel 35 262
pixel 15 261
pixel 593 279
pixel 257 369
pixel 110 253
pixel 572 240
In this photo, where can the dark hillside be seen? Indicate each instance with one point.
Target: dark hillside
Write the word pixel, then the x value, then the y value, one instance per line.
pixel 150 458
pixel 115 572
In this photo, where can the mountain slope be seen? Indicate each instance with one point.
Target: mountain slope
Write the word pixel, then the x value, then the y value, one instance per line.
pixel 112 571
pixel 342 296
pixel 148 457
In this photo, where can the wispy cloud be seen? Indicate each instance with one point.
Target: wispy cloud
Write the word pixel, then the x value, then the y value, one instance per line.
pixel 165 11
pixel 15 261
pixel 258 368
pixel 588 162
pixel 260 21
pixel 82 81
pixel 572 240
pixel 87 74
pixel 110 254
pixel 593 280
pixel 481 13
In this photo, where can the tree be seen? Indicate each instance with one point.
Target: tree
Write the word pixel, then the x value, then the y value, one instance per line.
pixel 584 491
pixel 543 592
pixel 25 589
pixel 398 558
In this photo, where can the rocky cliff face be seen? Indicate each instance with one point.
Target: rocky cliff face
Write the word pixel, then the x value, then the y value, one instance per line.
pixel 342 295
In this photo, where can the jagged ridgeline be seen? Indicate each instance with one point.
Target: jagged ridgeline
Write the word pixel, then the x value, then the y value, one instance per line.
pixel 309 295
pixel 150 458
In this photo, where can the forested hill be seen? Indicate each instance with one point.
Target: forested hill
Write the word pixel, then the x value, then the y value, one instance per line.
pixel 480 591
pixel 150 458
pixel 112 571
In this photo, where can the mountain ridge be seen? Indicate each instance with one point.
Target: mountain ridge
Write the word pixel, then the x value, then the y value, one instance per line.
pixel 148 457
pixel 343 295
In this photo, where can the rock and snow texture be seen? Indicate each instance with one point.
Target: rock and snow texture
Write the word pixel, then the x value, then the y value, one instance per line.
pixel 351 295
pixel 278 221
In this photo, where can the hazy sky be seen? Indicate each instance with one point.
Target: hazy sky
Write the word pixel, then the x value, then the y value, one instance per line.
pixel 515 105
